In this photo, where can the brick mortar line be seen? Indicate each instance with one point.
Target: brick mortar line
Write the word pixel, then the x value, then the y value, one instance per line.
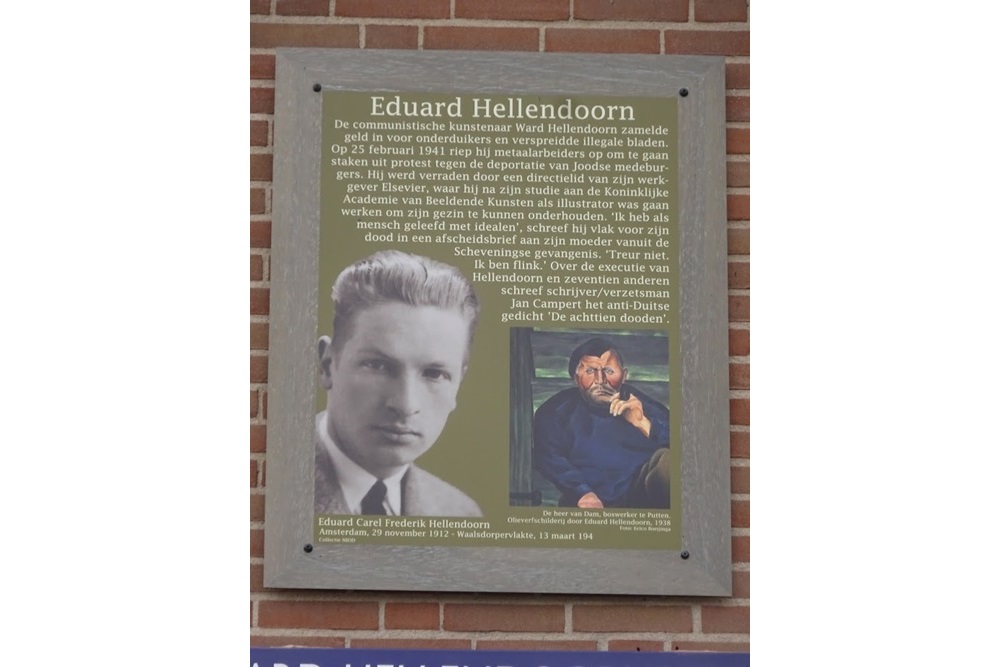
pixel 433 633
pixel 454 598
pixel 722 637
pixel 270 51
pixel 348 635
pixel 690 25
pixel 404 597
pixel 511 635
pixel 738 157
pixel 727 602
pixel 665 648
pixel 737 189
pixel 739 393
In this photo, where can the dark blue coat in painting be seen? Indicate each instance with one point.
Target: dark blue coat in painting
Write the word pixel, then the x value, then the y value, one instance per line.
pixel 580 447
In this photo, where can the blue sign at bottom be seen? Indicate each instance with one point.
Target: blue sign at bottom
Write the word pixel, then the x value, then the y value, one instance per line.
pixel 332 657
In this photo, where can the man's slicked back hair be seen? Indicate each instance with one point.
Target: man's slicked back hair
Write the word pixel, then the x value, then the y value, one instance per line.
pixel 391 276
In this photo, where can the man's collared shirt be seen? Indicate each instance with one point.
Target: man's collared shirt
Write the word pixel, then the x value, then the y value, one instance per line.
pixel 355 481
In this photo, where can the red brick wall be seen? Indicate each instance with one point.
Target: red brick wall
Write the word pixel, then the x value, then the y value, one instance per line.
pixel 310 618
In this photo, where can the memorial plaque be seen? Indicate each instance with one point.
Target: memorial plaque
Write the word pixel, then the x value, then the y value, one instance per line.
pixel 523 386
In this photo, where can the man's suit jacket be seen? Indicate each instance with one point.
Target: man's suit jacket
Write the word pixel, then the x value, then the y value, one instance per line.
pixel 423 494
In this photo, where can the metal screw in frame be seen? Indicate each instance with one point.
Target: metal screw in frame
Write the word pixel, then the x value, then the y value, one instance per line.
pixel 685 555
pixel 317 87
pixel 683 92
pixel 308 548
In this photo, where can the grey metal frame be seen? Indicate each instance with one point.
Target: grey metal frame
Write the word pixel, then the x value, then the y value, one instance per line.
pixel 706 532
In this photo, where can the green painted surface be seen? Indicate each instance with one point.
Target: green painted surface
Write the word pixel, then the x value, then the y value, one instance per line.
pixel 489 195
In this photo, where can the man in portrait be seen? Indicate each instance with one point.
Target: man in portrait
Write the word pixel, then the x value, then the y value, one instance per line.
pixel 603 443
pixel 402 331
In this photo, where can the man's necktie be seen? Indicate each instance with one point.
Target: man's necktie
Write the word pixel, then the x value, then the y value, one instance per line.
pixel 373 502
